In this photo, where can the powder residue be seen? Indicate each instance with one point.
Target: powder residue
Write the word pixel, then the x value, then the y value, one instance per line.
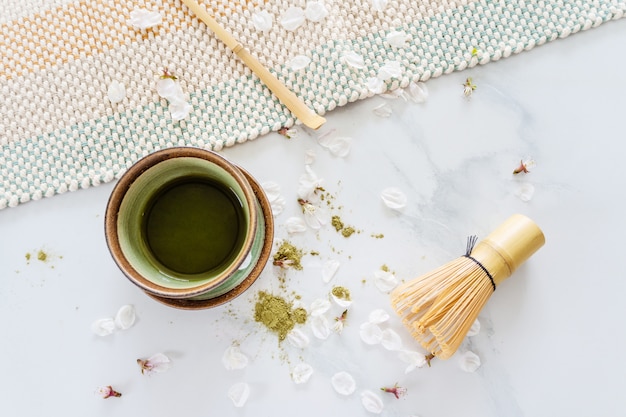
pixel 277 314
pixel 341 292
pixel 288 256
pixel 42 256
pixel 338 224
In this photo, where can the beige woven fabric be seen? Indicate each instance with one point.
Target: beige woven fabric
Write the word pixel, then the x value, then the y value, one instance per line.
pixel 60 132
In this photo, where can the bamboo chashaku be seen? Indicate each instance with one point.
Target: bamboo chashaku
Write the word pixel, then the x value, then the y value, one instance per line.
pixel 439 307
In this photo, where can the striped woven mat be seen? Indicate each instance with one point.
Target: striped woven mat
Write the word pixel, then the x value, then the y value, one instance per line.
pixel 83 93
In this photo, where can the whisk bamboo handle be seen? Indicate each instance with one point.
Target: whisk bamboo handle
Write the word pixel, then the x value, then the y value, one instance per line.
pixel 508 246
pixel 285 95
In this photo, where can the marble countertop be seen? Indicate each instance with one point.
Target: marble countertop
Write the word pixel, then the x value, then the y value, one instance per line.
pixel 551 336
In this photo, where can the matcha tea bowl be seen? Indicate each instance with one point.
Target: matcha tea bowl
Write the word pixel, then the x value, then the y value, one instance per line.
pixel 188 227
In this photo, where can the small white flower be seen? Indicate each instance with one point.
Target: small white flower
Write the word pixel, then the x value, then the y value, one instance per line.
pixel 394 198
pixel 293 18
pixel 301 373
pixel 169 88
pixel 385 281
pixel 414 359
pixel 376 85
pixel 378 316
pixel 298 339
pixel 320 327
pixel 144 19
pixel 468 87
pixel 525 192
pixel 391 340
pixel 372 402
pixel 262 21
pixel 103 327
pixel 354 60
pixel 397 38
pixel 299 62
pixel 391 69
pixel 379 5
pixel 295 225
pixel 343 383
pixel 107 392
pixel 315 216
pixel 125 317
pixel 371 333
pixel 239 394
pixel 233 358
pixel 155 363
pixel 475 329
pixel 417 92
pixel 308 183
pixel 383 110
pixel 315 11
pixel 116 92
pixel 330 269
pixel 469 361
pixel 337 145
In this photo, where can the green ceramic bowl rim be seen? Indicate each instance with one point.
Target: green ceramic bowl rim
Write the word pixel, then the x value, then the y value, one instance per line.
pixel 117 197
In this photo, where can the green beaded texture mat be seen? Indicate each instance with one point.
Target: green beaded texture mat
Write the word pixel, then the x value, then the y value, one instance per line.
pixel 60 131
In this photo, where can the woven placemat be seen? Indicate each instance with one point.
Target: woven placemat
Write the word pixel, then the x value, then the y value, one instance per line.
pixel 60 132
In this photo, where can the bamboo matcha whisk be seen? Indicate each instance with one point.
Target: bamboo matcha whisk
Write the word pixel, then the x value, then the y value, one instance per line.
pixel 439 307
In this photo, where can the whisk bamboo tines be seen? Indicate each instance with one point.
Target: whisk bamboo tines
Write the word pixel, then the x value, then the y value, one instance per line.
pixel 439 307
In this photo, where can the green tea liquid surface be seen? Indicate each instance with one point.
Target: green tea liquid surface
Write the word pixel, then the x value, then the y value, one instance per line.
pixel 194 226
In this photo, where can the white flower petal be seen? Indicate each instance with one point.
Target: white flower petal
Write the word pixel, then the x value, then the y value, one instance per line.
pixel 309 157
pixel 341 302
pixel 293 18
pixel 239 394
pixel 339 146
pixel 320 327
pixel 233 358
pixel 278 205
pixel 315 217
pixel 397 38
pixel 262 20
pixel 383 110
pixel 343 383
pixel 319 307
pixel 315 11
pixel 330 269
pixel 391 340
pixel 394 198
pixel 372 402
pixel 144 19
pixel 295 225
pixel 308 183
pixel 103 327
pixel 525 192
pixel 272 190
pixel 125 317
pixel 169 89
pixel 371 333
pixel 179 109
pixel 376 85
pixel 298 339
pixel 301 373
pixel 391 69
pixel 116 92
pixel 378 316
pixel 354 60
pixel 299 62
pixel 469 361
pixel 417 92
pixel 385 281
pixel 413 358
pixel 379 5
pixel 475 329
pixel 158 362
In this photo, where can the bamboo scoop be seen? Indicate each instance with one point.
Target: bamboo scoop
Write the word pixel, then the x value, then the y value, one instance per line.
pixel 286 96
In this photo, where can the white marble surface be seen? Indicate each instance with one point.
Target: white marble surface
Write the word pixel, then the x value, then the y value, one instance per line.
pixel 552 336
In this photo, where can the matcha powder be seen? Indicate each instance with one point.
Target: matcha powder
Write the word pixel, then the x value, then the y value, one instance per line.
pixel 277 315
